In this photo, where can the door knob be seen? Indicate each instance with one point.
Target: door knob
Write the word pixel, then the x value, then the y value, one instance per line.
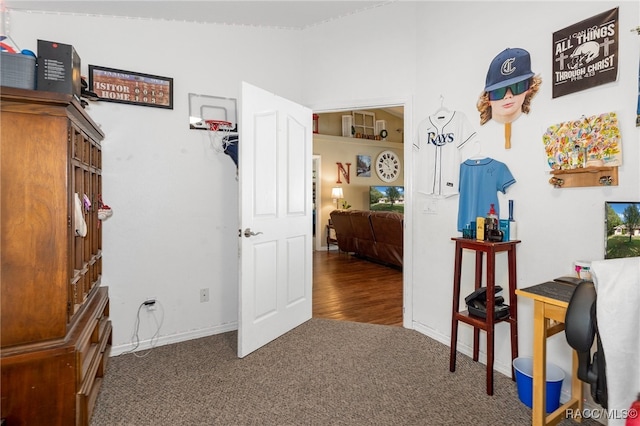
pixel 249 233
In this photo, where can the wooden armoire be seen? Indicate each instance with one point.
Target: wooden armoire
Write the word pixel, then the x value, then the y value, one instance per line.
pixel 55 329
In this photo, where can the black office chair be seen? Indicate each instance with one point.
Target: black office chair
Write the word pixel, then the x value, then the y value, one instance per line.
pixel 581 327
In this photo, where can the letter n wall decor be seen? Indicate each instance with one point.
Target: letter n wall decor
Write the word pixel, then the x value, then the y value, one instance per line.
pixel 346 174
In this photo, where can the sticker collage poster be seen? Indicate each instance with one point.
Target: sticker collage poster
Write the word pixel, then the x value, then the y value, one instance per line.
pixel 594 141
pixel 585 54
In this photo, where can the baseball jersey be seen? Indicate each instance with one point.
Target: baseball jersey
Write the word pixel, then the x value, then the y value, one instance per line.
pixel 437 149
pixel 480 181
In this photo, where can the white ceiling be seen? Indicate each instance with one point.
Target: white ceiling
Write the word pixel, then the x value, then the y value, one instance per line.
pixel 289 14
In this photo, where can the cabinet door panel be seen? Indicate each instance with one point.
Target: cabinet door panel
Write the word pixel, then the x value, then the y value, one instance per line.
pixel 34 232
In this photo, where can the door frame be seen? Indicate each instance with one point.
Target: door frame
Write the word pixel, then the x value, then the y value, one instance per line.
pixel 317 164
pixel 407 103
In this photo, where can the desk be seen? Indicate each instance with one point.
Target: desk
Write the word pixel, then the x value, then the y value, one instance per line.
pixel 550 301
pixel 488 324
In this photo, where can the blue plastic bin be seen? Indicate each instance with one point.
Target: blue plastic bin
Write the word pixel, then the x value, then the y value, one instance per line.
pixel 524 379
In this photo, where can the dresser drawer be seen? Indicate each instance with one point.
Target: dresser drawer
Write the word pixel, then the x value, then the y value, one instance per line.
pixel 92 337
pixel 90 387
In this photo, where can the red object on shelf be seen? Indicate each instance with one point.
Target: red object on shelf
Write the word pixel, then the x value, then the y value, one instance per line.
pixel 633 418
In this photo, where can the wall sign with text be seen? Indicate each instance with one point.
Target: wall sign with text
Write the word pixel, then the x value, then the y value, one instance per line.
pixel 585 54
pixel 129 87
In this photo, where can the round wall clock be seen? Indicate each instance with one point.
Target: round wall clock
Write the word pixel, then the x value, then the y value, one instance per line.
pixel 388 166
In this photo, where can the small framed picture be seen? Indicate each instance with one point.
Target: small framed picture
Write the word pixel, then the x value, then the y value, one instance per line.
pixel 128 87
pixel 622 229
pixel 363 168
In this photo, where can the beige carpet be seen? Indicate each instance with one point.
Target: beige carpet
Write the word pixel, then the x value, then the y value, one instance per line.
pixel 324 372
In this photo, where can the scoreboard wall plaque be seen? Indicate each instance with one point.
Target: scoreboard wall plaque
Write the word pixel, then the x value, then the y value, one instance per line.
pixel 129 87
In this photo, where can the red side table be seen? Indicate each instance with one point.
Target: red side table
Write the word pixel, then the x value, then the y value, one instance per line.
pixel 478 323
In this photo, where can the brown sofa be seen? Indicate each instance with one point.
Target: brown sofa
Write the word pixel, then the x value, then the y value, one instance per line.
pixel 373 235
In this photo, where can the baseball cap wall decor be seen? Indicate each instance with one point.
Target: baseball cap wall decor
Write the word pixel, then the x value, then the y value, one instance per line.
pixel 509 67
pixel 509 86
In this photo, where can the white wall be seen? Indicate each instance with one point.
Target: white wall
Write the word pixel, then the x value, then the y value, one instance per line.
pixel 363 56
pixel 174 227
pixel 433 49
pixel 556 226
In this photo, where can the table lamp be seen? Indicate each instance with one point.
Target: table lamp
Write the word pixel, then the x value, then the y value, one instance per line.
pixel 336 194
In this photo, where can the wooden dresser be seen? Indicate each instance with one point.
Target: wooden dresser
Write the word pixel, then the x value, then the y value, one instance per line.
pixel 55 330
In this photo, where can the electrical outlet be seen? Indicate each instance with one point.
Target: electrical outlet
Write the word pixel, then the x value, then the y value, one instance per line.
pixel 204 295
pixel 150 303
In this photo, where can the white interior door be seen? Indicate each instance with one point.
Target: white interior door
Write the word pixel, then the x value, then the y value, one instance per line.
pixel 275 152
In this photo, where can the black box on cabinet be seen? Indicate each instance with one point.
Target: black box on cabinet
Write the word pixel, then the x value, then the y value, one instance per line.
pixel 58 68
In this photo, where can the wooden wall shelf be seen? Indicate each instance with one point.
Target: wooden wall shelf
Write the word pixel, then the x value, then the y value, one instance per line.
pixel 587 176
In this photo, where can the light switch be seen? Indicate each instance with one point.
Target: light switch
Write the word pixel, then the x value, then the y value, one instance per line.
pixel 430 207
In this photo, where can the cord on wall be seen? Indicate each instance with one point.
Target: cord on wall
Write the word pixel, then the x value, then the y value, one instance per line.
pixel 151 305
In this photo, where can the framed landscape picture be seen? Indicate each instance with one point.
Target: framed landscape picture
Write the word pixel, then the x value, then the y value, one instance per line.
pixel 364 166
pixel 622 229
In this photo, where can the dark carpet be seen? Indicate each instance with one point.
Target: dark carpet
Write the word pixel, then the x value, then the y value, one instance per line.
pixel 324 372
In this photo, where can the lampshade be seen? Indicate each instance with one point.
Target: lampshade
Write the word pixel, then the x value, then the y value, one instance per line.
pixel 336 192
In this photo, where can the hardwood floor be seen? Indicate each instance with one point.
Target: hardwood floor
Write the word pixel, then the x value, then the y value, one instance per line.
pixel 351 289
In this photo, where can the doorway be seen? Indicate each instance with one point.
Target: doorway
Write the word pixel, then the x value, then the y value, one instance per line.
pixel 404 303
pixel 348 288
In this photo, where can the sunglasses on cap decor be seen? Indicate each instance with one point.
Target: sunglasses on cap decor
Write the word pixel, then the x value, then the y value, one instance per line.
pixel 516 89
